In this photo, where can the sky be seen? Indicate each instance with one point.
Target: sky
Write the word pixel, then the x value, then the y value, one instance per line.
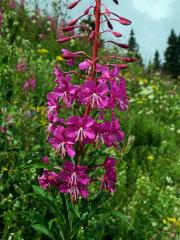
pixel 152 21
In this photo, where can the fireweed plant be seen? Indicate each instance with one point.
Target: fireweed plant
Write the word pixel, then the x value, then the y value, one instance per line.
pixel 101 92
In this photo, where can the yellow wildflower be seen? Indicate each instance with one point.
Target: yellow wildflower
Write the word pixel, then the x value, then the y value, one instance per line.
pixel 140 101
pixel 165 221
pixel 59 58
pixel 173 220
pixel 43 122
pixel 150 157
pixel 42 51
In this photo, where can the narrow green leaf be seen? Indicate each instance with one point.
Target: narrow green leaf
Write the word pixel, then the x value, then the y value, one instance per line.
pixel 123 217
pixel 43 230
pixel 39 191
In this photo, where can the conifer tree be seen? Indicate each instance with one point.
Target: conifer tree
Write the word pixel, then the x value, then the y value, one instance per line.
pixel 156 61
pixel 134 47
pixel 171 55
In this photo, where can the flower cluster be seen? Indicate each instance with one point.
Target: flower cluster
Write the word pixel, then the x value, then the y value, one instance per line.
pixel 29 84
pixel 21 66
pixel 94 102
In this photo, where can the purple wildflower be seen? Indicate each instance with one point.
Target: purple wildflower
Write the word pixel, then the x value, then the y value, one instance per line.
pixel 74 181
pixel 48 179
pixel 109 178
pixel 30 84
pixel 3 129
pixel 45 159
pixel 62 142
pixel 94 94
pixel 52 106
pixel 67 93
pixel 113 133
pixel 81 128
pixel 85 64
pixel 21 66
pixel 12 5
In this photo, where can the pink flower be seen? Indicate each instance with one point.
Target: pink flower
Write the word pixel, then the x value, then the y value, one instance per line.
pixel 114 134
pixel 74 181
pixel 12 5
pixel 3 129
pixel 80 128
pixel 93 93
pixel 85 64
pixel 109 178
pixel 109 133
pixel 52 106
pixel 45 159
pixel 62 142
pixel 21 66
pixel 42 36
pixel 30 84
pixel 48 179
pixel 66 92
pixel 122 98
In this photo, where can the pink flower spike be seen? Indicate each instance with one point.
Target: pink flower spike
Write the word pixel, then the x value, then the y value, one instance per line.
pixel 72 5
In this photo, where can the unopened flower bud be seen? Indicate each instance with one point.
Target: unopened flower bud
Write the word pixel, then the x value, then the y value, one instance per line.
pixel 72 5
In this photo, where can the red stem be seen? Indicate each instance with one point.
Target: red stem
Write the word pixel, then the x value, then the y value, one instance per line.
pixel 96 45
pixel 96 42
pixel 97 12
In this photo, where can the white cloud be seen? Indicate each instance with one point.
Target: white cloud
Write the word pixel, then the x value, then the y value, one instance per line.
pixel 155 9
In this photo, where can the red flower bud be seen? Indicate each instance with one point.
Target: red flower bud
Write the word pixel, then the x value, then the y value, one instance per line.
pixel 116 34
pixel 72 5
pixel 107 12
pixel 125 46
pixel 122 66
pixel 124 21
pixel 128 59
pixel 109 25
pixel 68 28
pixel 116 2
pixel 63 40
pixel 73 21
pixel 87 10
